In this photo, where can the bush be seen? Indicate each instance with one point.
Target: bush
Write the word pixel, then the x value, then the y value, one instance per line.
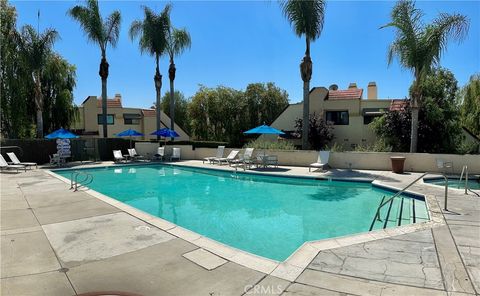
pixel 271 145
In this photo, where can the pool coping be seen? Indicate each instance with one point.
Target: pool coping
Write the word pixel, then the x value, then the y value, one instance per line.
pixel 296 263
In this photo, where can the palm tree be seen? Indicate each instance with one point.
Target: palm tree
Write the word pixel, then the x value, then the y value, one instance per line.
pixel 103 33
pixel 306 17
pixel 177 41
pixel 418 47
pixel 152 32
pixel 35 49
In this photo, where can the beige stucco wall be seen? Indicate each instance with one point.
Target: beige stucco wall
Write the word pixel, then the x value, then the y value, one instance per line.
pixel 415 162
pixel 88 121
pixel 355 133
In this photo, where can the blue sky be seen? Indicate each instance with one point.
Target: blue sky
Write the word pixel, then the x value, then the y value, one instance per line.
pixel 239 42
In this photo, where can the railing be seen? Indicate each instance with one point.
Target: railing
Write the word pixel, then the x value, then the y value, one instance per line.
pixel 464 171
pixel 75 183
pixel 390 200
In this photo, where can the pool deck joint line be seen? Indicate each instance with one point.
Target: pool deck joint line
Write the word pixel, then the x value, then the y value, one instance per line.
pixel 39 208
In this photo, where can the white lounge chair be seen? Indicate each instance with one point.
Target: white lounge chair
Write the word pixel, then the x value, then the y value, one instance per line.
pixel 5 165
pixel 134 155
pixel 231 156
pixel 15 160
pixel 322 160
pixel 219 154
pixel 117 156
pixel 175 154
pixel 160 154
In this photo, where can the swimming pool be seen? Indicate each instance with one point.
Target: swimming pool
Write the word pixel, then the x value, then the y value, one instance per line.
pixel 265 215
pixel 473 182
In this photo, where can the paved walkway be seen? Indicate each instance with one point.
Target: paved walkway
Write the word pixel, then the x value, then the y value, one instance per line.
pixel 56 242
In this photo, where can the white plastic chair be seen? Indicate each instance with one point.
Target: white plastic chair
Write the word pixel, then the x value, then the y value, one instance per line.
pixel 160 153
pixel 5 165
pixel 175 154
pixel 231 156
pixel 117 156
pixel 322 161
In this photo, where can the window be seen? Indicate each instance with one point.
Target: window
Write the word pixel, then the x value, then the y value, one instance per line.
pixel 367 119
pixel 369 114
pixel 110 119
pixel 131 119
pixel 337 117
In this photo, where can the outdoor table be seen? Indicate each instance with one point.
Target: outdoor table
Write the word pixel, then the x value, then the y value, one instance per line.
pixel 266 160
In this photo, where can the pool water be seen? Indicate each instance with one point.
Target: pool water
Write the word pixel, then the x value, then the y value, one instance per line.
pixel 473 183
pixel 265 215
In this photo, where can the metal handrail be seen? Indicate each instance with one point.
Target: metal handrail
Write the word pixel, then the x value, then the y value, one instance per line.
pixel 75 183
pixel 377 213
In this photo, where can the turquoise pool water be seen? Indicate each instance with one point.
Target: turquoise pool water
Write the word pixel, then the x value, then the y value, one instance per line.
pixel 473 183
pixel 264 215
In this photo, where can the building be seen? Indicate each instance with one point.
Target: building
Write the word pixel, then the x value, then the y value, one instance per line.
pixel 119 118
pixel 346 109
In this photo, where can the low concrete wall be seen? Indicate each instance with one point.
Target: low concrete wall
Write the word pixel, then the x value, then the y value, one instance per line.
pixel 415 162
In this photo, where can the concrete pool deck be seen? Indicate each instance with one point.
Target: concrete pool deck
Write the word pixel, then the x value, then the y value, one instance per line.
pixel 57 242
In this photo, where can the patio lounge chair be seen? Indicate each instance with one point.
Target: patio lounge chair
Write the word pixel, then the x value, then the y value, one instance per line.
pixel 5 165
pixel 175 154
pixel 16 161
pixel 134 155
pixel 219 154
pixel 247 159
pixel 117 156
pixel 322 160
pixel 227 159
pixel 160 154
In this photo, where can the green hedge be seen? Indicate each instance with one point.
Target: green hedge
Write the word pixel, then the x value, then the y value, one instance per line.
pixel 195 144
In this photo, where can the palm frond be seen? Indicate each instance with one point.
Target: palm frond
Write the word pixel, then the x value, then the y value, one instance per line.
pixel 178 41
pixel 305 16
pixel 112 28
pixel 89 18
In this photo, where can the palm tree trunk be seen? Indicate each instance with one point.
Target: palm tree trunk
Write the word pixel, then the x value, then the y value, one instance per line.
pixel 171 75
pixel 103 72
pixel 39 105
pixel 414 131
pixel 306 72
pixel 158 87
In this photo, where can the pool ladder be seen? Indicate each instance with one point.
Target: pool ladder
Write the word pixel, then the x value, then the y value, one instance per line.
pixel 75 183
pixel 464 175
pixel 389 201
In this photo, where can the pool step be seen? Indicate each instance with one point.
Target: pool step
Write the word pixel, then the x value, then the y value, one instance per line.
pixel 401 211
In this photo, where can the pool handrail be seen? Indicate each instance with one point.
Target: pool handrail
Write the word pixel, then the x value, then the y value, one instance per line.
pixel 380 206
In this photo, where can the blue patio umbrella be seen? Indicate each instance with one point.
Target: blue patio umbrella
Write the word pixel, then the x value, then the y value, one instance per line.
pixel 166 133
pixel 130 133
pixel 61 134
pixel 264 130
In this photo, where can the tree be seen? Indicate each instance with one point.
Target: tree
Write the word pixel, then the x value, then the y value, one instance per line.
pixel 419 47
pixel 35 48
pixel 470 105
pixel 177 41
pixel 307 18
pixel 152 33
pixel 181 109
pixel 15 121
pixel 439 129
pixel 100 32
pixel 320 132
pixel 265 101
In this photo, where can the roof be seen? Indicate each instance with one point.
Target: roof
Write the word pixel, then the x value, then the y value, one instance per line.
pixel 149 112
pixel 398 105
pixel 111 103
pixel 347 94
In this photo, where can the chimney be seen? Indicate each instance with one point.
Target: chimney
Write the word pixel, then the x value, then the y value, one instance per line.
pixel 118 97
pixel 352 85
pixel 372 91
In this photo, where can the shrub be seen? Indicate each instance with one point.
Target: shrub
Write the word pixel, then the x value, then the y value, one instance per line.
pixel 271 145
